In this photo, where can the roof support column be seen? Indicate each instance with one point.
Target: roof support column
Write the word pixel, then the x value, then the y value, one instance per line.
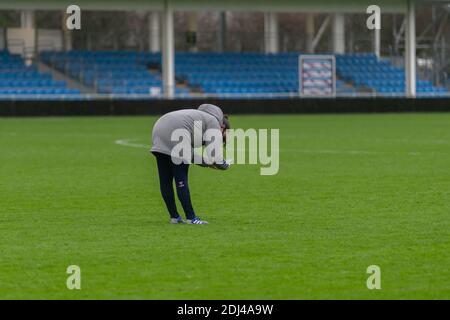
pixel 271 32
pixel 377 42
pixel 30 46
pixel 222 39
pixel 168 51
pixel 410 50
pixel 310 33
pixel 66 33
pixel 154 32
pixel 339 33
pixel 27 19
pixel 191 35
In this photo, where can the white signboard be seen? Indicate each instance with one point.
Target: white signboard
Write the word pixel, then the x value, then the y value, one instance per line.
pixel 317 75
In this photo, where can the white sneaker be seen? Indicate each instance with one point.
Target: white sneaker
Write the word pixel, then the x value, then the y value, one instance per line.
pixel 176 220
pixel 197 220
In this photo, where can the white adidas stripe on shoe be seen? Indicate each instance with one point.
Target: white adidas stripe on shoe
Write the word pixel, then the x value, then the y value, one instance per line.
pixel 197 221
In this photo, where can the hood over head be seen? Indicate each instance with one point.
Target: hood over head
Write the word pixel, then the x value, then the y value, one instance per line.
pixel 213 110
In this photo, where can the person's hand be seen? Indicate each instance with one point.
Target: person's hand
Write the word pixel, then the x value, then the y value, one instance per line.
pixel 222 166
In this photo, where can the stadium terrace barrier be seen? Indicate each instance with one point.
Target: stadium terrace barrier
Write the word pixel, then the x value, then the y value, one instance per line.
pixel 232 106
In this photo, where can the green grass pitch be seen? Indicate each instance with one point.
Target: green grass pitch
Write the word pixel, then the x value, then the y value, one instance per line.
pixel 352 191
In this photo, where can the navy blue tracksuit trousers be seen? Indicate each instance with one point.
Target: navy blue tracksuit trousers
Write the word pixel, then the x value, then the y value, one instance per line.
pixel 168 172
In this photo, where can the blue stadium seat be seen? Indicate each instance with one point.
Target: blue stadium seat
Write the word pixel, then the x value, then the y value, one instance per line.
pixel 18 79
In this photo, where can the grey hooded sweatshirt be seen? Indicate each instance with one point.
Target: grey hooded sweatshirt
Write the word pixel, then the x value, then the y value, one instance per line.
pixel 211 117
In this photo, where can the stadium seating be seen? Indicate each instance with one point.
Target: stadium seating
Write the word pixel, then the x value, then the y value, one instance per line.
pixel 111 72
pixel 250 73
pixel 367 71
pixel 243 73
pixel 18 79
pixel 126 72
pixel 239 73
pixel 225 74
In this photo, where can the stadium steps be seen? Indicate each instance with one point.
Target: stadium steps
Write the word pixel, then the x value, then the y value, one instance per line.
pixel 57 75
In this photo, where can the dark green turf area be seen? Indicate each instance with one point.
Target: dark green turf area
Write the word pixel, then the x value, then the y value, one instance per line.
pixel 352 191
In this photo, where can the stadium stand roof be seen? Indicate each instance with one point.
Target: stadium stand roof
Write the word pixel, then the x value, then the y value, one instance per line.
pixel 234 5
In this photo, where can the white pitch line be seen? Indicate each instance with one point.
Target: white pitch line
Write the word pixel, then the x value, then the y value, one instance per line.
pixel 355 152
pixel 130 143
pixel 329 151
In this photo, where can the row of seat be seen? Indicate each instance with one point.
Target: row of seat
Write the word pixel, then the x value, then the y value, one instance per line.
pixel 355 76
pixel 238 90
pixel 24 75
pixel 261 74
pixel 83 57
pixel 34 91
pixel 401 89
pixel 153 91
pixel 394 83
pixel 129 82
pixel 32 83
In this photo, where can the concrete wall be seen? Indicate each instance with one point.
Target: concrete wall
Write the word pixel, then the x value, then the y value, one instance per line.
pixel 21 40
